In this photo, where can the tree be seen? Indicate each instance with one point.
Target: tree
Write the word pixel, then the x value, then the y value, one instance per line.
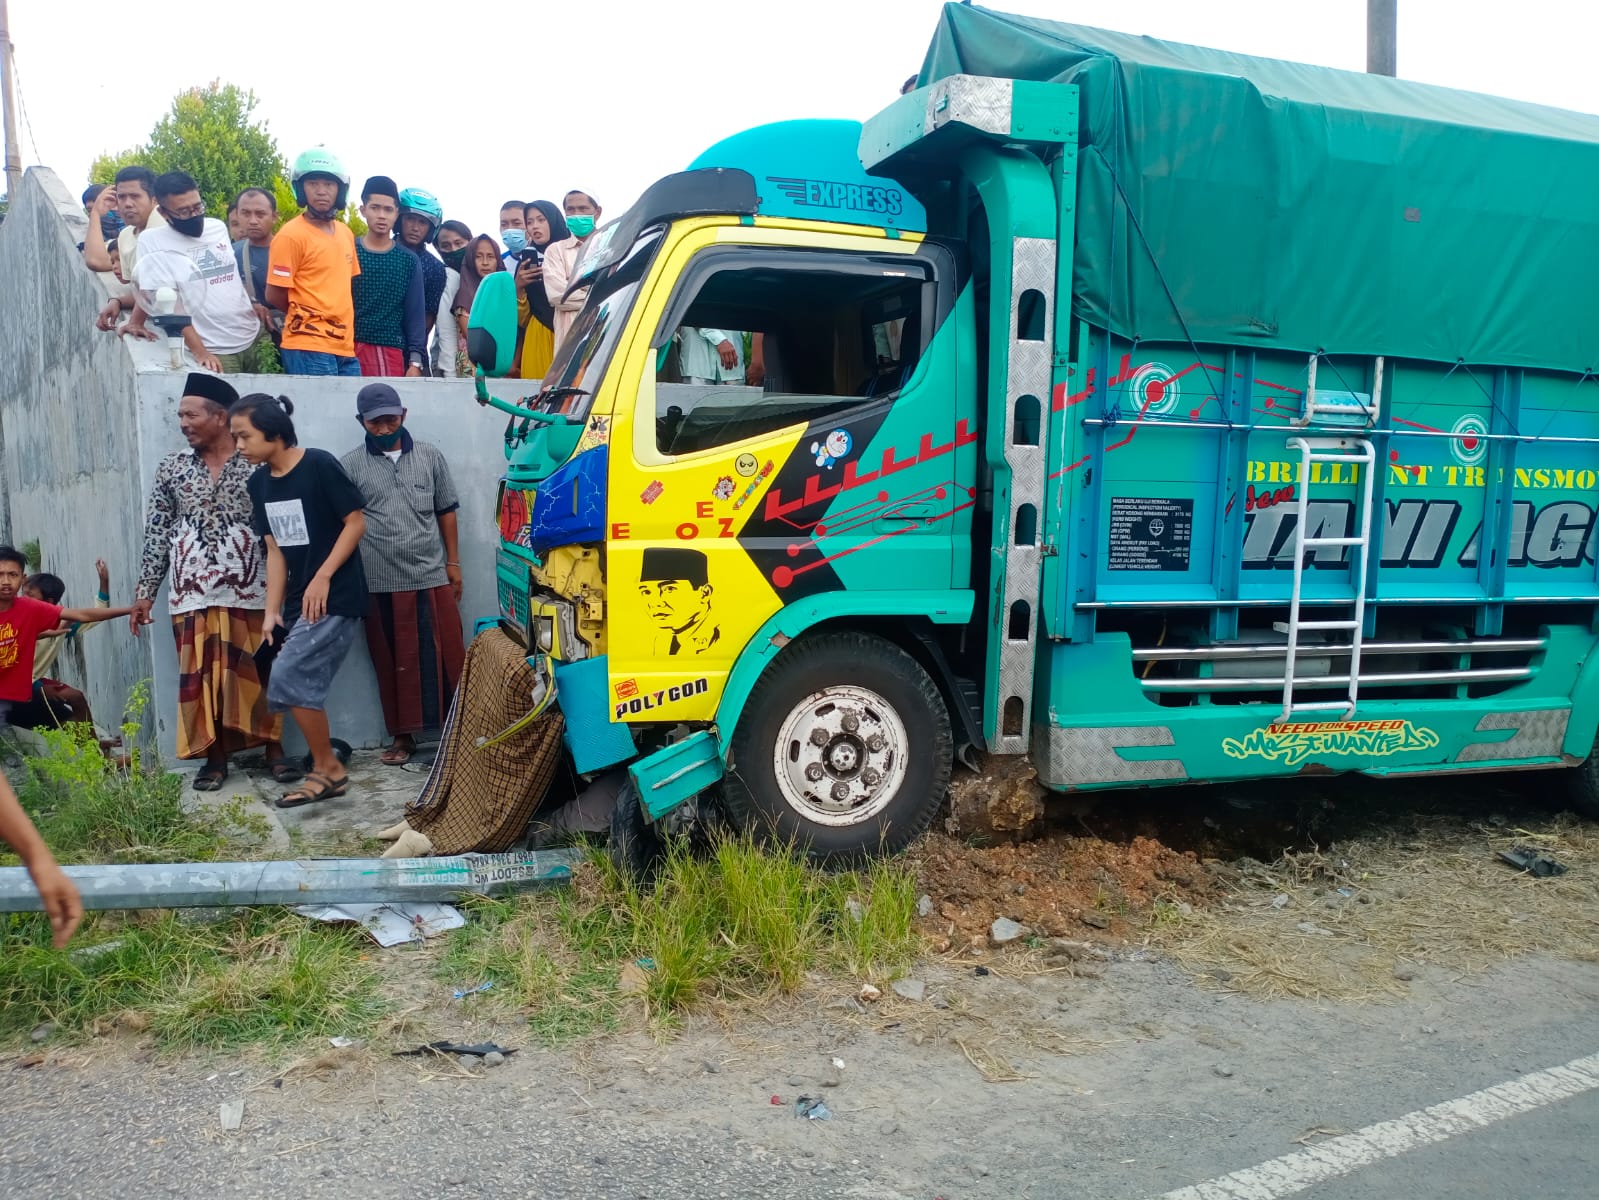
pixel 208 132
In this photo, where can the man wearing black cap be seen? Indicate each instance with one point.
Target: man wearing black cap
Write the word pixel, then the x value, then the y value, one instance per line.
pixel 390 322
pixel 677 594
pixel 413 570
pixel 197 524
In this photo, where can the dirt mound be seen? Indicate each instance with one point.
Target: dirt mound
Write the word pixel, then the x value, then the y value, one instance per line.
pixel 1058 886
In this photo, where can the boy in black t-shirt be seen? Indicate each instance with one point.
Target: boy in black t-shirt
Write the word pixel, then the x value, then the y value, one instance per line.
pixel 309 514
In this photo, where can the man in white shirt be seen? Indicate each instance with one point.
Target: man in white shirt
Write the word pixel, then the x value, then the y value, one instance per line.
pixel 223 335
pixel 710 356
pixel 135 200
pixel 560 261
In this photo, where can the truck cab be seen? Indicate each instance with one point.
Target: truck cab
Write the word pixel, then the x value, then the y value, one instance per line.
pixel 670 522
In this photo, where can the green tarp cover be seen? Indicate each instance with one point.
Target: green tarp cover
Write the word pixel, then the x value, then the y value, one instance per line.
pixel 1303 208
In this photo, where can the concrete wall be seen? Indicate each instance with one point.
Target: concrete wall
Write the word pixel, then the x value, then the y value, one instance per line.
pixel 69 456
pixel 86 418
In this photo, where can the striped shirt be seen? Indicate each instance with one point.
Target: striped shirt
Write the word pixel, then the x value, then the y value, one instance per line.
pixel 402 550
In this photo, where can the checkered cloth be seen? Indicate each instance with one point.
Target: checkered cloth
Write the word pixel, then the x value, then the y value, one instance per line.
pixel 220 693
pixel 481 798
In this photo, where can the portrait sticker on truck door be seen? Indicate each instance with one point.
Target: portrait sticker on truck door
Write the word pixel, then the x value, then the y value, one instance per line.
pixel 1150 533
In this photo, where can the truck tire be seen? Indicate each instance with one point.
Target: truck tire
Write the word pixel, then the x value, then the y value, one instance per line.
pixel 635 847
pixel 844 750
pixel 1583 785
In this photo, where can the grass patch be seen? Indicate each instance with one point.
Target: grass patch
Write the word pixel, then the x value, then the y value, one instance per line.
pixel 89 811
pixel 740 923
pixel 257 976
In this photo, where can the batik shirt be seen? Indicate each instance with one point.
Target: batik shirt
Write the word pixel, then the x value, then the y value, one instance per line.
pixel 201 530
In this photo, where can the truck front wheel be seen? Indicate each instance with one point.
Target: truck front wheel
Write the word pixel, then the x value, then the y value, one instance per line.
pixel 844 749
pixel 1583 785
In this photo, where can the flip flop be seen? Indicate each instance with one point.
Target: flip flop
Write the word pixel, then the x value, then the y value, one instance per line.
pixel 397 756
pixel 316 788
pixel 286 770
pixel 210 779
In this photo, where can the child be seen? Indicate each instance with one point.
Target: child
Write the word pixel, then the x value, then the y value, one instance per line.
pixel 22 620
pixel 53 702
pixel 311 517
pixel 115 252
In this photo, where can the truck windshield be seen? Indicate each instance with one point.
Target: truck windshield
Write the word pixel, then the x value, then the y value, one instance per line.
pixel 581 359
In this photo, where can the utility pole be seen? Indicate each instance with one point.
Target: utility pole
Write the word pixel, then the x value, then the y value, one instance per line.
pixel 1382 36
pixel 8 95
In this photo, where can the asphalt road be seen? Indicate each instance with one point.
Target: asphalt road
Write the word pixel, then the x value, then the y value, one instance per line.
pixel 1184 1087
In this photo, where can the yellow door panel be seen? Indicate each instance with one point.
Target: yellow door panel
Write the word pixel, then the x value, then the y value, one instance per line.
pixel 683 595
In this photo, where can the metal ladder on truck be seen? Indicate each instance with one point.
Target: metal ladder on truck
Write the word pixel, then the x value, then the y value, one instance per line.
pixel 1341 411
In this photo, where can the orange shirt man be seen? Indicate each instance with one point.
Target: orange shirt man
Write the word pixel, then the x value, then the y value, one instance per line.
pixel 309 271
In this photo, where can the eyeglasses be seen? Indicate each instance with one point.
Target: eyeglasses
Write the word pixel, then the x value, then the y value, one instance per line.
pixel 183 214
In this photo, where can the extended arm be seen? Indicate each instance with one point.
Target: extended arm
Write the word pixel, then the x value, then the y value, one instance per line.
pixel 61 900
pixel 88 616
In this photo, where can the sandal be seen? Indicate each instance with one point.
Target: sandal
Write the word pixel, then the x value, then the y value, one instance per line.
pixel 398 754
pixel 210 779
pixel 316 788
pixel 285 770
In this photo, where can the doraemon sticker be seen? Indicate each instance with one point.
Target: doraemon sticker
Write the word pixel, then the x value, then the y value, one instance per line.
pixel 832 448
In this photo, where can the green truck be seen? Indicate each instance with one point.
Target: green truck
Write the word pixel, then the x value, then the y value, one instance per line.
pixel 1159 414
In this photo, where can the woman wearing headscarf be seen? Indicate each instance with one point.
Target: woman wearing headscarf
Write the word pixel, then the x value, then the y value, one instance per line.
pixel 482 258
pixel 545 226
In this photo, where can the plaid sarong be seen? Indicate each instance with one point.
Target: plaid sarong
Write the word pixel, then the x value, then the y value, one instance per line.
pixel 219 690
pixel 481 798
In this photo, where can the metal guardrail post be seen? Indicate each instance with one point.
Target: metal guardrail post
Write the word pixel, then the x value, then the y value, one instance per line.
pixel 298 881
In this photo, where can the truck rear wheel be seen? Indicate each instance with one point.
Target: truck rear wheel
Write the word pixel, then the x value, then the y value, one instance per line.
pixel 844 749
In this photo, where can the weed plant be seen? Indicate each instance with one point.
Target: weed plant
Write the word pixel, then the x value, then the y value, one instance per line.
pixel 743 922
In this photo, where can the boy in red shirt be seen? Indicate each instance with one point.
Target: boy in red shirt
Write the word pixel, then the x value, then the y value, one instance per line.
pixel 22 620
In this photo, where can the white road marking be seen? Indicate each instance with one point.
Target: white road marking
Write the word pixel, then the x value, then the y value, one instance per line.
pixel 1341 1155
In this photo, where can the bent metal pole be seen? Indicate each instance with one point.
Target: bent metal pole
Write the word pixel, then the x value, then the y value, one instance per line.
pixel 297 881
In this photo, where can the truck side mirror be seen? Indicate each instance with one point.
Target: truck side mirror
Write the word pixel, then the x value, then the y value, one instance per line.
pixel 491 327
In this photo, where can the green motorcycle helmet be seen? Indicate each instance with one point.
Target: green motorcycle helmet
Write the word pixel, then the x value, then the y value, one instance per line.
pixel 319 163
pixel 423 204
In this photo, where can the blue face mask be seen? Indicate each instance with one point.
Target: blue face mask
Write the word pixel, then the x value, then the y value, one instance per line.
pixel 514 239
pixel 580 227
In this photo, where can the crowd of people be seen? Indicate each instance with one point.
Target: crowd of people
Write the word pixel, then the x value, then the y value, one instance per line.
pixel 311 297
pixel 276 556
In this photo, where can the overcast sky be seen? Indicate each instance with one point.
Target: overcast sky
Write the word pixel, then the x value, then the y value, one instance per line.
pixel 479 100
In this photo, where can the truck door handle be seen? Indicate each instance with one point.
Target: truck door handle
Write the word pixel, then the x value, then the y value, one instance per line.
pixel 914 512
